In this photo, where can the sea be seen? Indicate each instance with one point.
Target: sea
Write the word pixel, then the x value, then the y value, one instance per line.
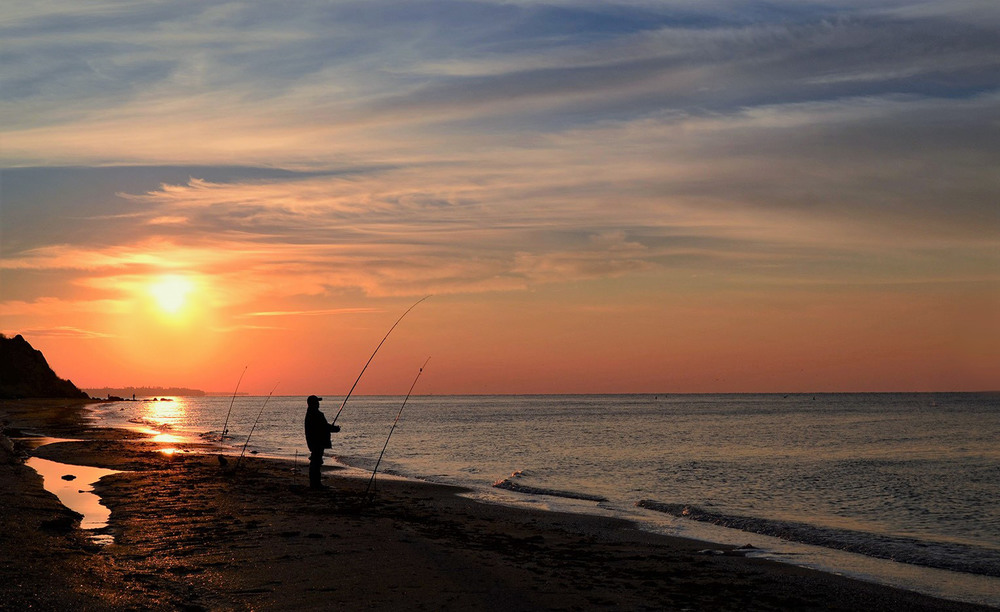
pixel 901 489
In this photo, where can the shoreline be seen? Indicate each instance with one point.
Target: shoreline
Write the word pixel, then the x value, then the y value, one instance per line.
pixel 190 534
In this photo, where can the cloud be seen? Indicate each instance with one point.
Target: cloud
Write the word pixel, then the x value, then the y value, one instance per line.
pixel 242 328
pixel 153 254
pixel 169 82
pixel 311 313
pixel 175 220
pixel 47 306
pixel 535 143
pixel 64 332
pixel 789 191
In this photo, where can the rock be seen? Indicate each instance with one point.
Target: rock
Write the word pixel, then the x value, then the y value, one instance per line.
pixel 25 373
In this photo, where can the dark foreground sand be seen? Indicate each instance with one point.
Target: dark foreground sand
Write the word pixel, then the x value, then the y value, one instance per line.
pixel 191 535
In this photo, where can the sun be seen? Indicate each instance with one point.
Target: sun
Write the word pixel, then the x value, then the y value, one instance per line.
pixel 170 292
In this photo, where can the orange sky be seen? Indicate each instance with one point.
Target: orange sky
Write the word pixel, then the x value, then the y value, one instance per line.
pixel 579 338
pixel 601 198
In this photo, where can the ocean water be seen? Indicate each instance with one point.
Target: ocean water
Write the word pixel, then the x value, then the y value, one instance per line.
pixel 897 488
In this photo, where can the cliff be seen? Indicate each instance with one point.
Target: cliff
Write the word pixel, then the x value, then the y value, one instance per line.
pixel 25 373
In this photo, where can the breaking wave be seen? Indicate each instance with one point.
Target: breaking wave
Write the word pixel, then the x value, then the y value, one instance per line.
pixel 149 422
pixel 940 555
pixel 510 484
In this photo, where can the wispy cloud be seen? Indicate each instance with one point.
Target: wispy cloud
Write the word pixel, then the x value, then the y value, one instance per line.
pixel 64 332
pixel 311 313
pixel 175 220
pixel 208 83
pixel 55 307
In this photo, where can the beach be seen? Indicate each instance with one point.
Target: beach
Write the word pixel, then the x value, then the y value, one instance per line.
pixel 191 533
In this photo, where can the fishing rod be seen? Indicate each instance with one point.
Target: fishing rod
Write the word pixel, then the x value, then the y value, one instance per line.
pixel 225 427
pixel 253 428
pixel 344 403
pixel 393 428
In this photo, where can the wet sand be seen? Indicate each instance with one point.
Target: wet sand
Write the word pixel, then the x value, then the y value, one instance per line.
pixel 192 534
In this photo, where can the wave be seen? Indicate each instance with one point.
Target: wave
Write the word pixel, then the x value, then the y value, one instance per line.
pixel 509 484
pixel 941 555
pixel 139 420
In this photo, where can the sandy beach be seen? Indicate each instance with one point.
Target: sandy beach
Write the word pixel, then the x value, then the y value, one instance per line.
pixel 192 534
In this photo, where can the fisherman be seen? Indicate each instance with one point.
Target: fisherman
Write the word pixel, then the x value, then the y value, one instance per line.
pixel 318 432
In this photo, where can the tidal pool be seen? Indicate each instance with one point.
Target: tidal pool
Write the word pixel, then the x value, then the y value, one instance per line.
pixel 73 485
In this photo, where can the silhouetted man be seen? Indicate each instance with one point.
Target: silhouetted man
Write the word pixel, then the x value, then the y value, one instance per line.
pixel 317 438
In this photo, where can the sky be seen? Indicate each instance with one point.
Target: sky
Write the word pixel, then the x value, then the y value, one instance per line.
pixel 600 197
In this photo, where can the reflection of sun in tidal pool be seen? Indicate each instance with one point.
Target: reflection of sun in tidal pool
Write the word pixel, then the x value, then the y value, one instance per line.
pixel 170 292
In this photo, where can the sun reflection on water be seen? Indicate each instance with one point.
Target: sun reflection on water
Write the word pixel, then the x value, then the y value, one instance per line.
pixel 167 412
pixel 163 419
pixel 167 438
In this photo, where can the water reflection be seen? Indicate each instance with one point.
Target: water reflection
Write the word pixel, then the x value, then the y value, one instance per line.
pixel 161 417
pixel 167 438
pixel 165 414
pixel 73 485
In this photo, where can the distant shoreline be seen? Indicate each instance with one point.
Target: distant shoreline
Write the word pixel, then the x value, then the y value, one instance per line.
pixel 144 391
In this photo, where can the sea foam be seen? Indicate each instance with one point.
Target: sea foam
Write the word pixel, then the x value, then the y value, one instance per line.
pixel 941 555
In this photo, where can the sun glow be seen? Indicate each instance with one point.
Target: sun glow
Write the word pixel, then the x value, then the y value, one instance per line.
pixel 170 293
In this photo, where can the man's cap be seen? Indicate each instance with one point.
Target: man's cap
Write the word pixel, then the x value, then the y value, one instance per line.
pixel 313 398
